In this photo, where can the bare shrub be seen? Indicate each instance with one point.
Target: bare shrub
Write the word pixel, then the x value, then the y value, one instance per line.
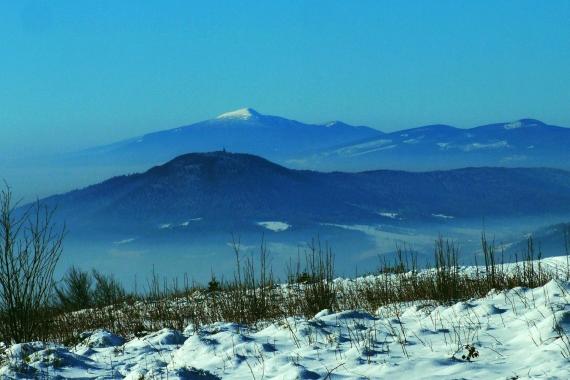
pixel 30 247
pixel 108 290
pixel 314 284
pixel 76 290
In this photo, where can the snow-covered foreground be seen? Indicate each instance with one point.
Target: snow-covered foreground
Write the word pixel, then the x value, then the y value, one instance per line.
pixel 518 334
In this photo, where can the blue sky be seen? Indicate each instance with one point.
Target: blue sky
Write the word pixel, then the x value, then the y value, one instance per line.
pixel 79 73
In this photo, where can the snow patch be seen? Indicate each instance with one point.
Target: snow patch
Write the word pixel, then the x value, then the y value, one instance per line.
pixel 513 125
pixel 442 216
pixel 391 215
pixel 275 226
pixel 492 145
pixel 124 241
pixel 522 124
pixel 241 114
pixel 365 148
pixel 333 123
pixel 187 223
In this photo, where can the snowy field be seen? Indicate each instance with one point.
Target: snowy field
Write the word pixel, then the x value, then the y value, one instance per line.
pixel 516 334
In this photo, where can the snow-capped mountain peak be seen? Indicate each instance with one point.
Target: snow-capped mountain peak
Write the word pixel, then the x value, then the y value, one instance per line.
pixel 240 114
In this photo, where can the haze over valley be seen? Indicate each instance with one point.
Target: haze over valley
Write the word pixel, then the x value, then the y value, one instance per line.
pixel 255 177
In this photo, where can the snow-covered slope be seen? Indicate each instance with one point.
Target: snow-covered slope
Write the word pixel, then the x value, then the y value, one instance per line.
pixel 516 334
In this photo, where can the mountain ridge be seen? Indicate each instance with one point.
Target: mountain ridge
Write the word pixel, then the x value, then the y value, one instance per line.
pixel 339 146
pixel 235 188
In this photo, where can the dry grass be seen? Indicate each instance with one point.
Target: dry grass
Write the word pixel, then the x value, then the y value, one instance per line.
pixel 253 297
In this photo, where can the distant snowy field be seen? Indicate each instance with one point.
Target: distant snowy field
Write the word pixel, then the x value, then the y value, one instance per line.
pixel 518 334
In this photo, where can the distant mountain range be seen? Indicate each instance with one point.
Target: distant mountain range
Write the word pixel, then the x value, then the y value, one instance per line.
pixel 339 146
pixel 223 189
pixel 524 143
pixel 244 131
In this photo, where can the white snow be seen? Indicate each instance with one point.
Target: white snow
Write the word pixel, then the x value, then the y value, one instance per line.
pixel 102 339
pixel 520 124
pixel 442 216
pixel 124 241
pixel 275 226
pixel 377 149
pixel 491 145
pixel 391 215
pixel 365 148
pixel 334 123
pixel 241 114
pixel 513 125
pixel 518 334
pixel 187 223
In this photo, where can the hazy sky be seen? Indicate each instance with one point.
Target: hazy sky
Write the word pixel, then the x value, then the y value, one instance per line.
pixel 77 73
